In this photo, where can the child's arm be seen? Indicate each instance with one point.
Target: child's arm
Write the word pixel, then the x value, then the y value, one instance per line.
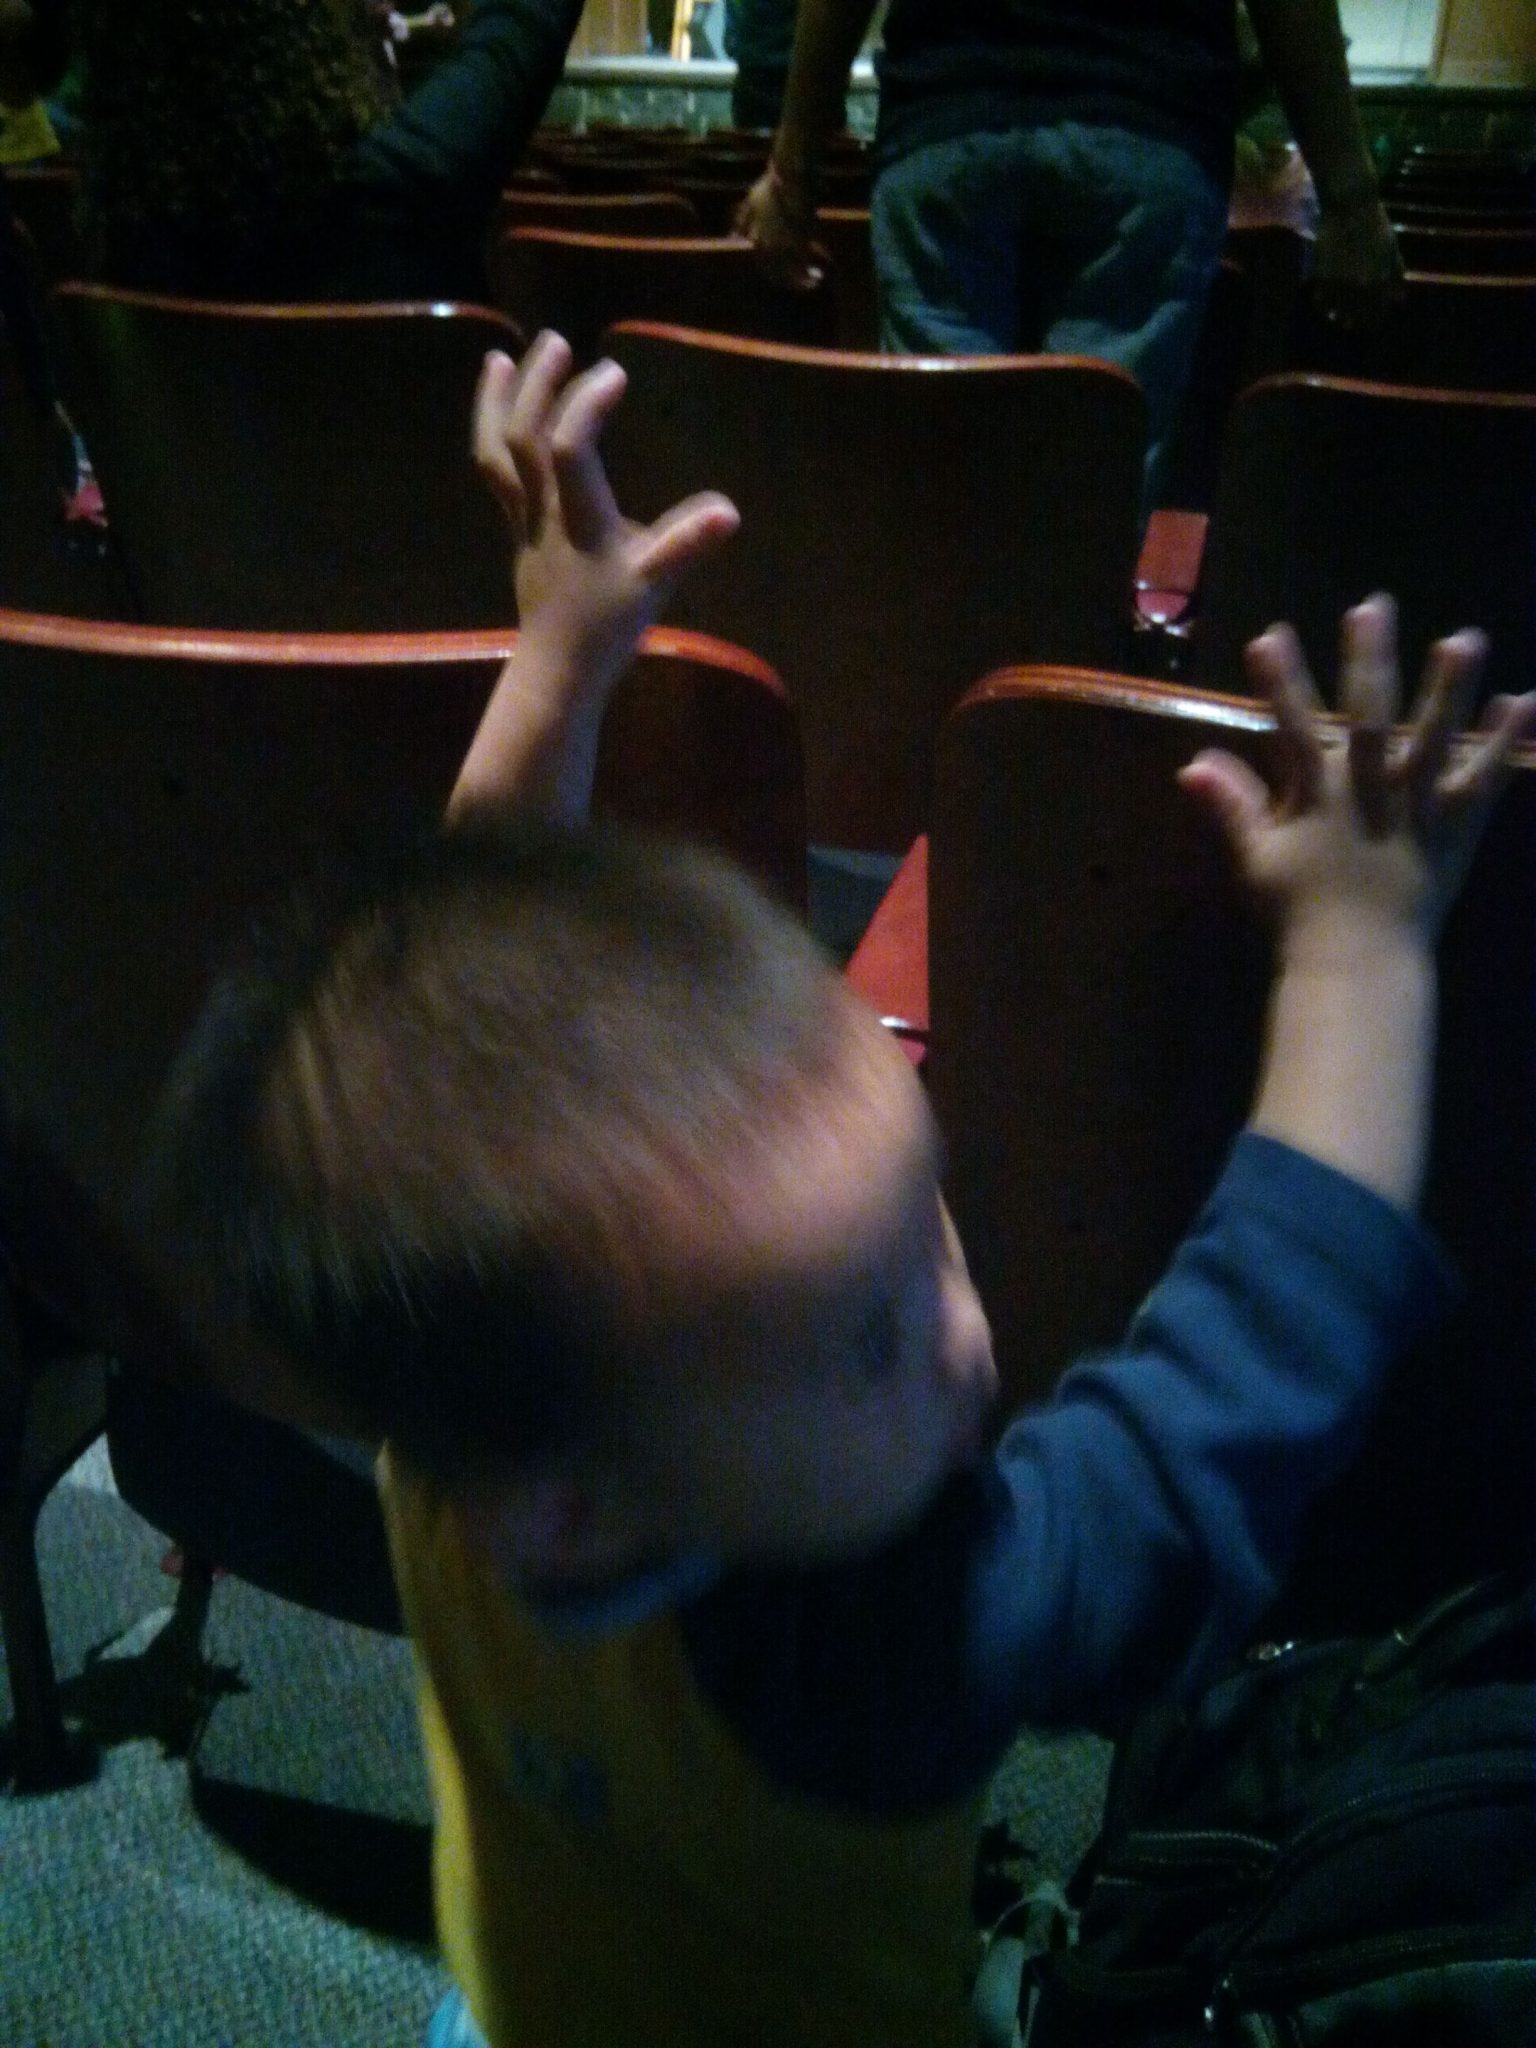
pixel 1360 855
pixel 589 581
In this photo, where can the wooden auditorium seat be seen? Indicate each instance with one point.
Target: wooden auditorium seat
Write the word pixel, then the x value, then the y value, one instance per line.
pixel 1330 489
pixel 1455 333
pixel 580 284
pixel 1408 213
pixel 290 468
pixel 1097 994
pixel 889 966
pixel 1469 251
pixel 156 788
pixel 596 213
pixel 1465 178
pixel 843 231
pixel 907 522
pixel 714 191
pixel 604 169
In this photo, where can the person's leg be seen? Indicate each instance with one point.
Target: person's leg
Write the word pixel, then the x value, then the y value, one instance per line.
pixel 944 230
pixel 1127 264
pixel 452 2027
pixel 759 35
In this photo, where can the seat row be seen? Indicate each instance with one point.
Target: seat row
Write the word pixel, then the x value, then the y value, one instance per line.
pixel 907 526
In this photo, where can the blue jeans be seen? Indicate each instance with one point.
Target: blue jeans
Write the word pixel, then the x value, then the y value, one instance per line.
pixel 1071 239
pixel 452 2027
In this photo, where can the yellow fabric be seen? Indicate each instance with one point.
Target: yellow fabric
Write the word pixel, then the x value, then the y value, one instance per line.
pixel 26 133
pixel 613 1871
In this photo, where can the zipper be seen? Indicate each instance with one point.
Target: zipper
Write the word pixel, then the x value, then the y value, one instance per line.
pixel 1238 1990
pixel 1419 1788
pixel 1431 1786
pixel 1152 1852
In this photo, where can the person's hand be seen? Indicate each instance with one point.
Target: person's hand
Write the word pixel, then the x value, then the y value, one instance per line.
pixel 588 580
pixel 1357 273
pixel 780 223
pixel 1370 833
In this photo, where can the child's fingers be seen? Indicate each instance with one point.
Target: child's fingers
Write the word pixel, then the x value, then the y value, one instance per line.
pixel 488 437
pixel 540 375
pixel 1508 722
pixel 684 535
pixel 1368 696
pixel 1234 795
pixel 1451 672
pixel 1368 680
pixel 586 500
pixel 1279 672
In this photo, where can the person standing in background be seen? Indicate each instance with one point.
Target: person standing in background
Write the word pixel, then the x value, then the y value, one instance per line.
pixel 266 152
pixel 1053 176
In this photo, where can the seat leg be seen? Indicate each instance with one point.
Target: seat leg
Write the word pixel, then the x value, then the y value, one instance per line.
pixel 48 1415
pixel 44 1756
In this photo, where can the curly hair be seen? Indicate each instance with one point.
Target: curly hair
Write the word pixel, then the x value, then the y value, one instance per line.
pixel 221 114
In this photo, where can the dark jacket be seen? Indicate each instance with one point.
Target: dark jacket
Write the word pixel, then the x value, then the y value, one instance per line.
pixel 273 161
pixel 1166 68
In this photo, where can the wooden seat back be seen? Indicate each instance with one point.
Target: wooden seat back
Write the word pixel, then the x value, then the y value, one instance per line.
pixel 290 468
pixel 1330 489
pixel 843 231
pixel 580 284
pixel 907 522
pixel 1097 995
pixel 1469 252
pixel 1455 333
pixel 156 788
pixel 596 213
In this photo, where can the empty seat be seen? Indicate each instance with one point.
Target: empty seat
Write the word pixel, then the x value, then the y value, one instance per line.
pixel 290 468
pixel 596 213
pixel 156 789
pixel 1330 489
pixel 1468 178
pixel 1097 995
pixel 1449 333
pixel 906 522
pixel 580 284
pixel 1469 252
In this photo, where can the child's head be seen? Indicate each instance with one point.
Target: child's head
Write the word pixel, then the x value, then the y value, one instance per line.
pixel 569 1166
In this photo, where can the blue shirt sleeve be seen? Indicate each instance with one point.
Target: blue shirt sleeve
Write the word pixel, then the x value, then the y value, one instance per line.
pixel 1126 1535
pixel 1149 1513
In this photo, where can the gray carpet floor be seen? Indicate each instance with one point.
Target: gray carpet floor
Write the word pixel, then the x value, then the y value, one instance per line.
pixel 247 1867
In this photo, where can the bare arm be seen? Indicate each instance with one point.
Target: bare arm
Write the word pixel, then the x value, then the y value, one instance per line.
pixel 1360 854
pixel 1358 270
pixel 589 581
pixel 778 214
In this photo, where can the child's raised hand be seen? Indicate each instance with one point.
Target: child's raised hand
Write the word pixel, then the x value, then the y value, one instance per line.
pixel 1370 834
pixel 588 580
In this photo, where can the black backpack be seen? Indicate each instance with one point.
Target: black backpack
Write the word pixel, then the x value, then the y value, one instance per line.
pixel 1335 1848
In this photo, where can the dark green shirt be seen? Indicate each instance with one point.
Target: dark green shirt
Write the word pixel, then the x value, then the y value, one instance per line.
pixel 1166 68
